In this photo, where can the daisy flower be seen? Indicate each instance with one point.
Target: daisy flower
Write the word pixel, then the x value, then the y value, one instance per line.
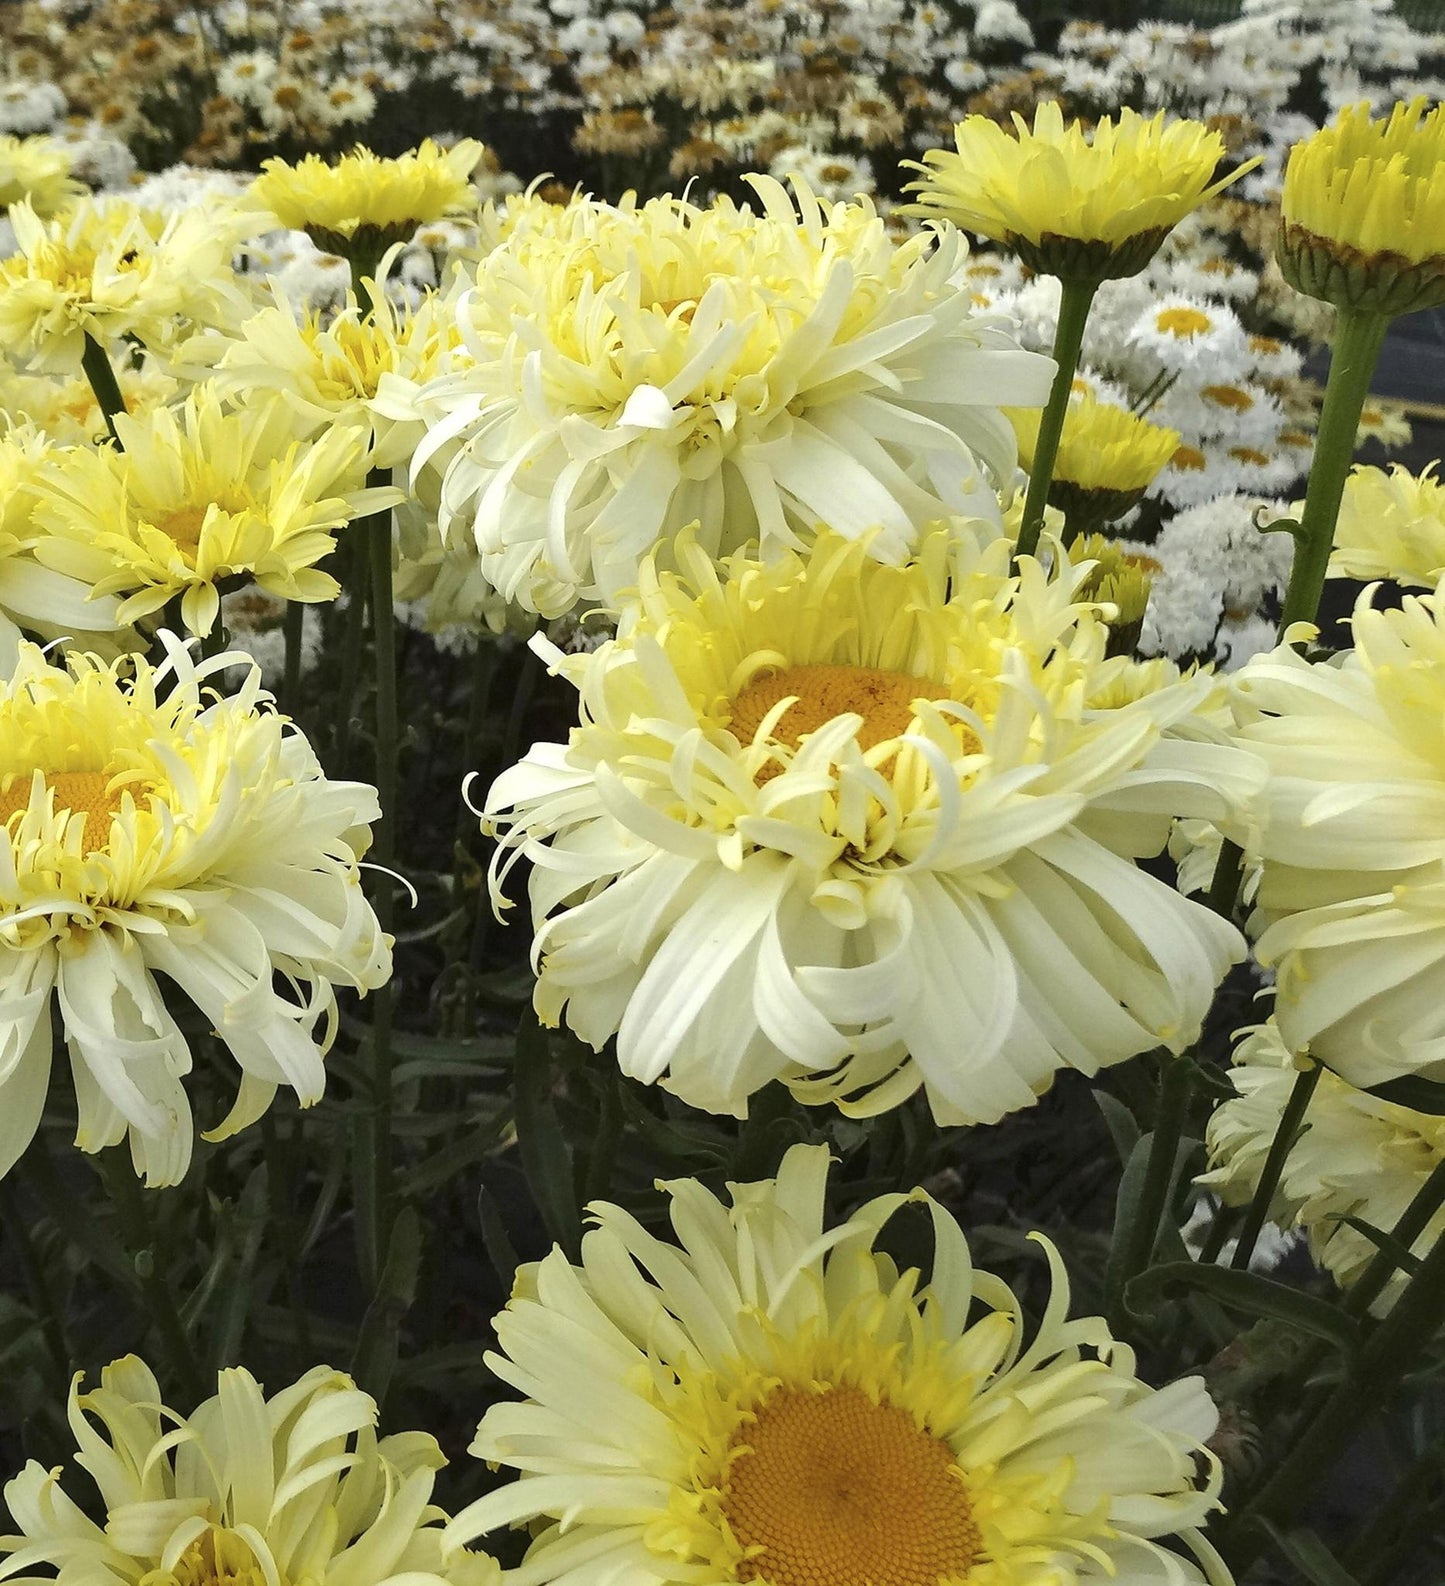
pixel 247 1490
pixel 629 371
pixel 150 827
pixel 1353 890
pixel 1357 1157
pixel 1391 525
pixel 200 498
pixel 1184 333
pixel 865 829
pixel 36 171
pixel 776 1402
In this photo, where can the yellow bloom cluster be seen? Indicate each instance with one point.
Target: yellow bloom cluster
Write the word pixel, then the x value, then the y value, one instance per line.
pixel 1391 525
pixel 1103 447
pixel 36 171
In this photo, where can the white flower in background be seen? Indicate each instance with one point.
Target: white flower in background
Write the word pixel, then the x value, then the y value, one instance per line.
pixel 776 1402
pixel 1186 333
pixel 919 873
pixel 152 828
pixel 834 177
pixel 247 1490
pixel 1357 1157
pixel 1352 836
pixel 629 371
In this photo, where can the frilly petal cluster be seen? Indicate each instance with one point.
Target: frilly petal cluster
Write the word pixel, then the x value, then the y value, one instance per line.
pixel 690 1414
pixel 365 197
pixel 150 827
pixel 1114 191
pixel 1364 210
pixel 921 873
pixel 248 1490
pixel 1352 840
pixel 628 370
pixel 1391 525
pixel 1358 1157
pixel 37 171
pixel 110 270
pixel 201 495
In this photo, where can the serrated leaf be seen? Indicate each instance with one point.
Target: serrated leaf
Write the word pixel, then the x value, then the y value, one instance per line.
pixel 1246 1293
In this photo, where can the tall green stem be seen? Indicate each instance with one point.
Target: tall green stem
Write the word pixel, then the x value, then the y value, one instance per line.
pixel 1075 300
pixel 291 670
pixel 1358 338
pixel 1414 1220
pixel 1370 1380
pixel 1284 1137
pixel 103 382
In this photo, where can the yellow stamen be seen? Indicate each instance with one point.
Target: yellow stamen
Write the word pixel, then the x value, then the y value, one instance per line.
pixel 835 1489
pixel 216 1558
pixel 883 699
pixel 1182 322
pixel 78 791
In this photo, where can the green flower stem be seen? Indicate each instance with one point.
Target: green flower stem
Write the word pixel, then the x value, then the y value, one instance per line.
pixel 1169 1118
pixel 291 670
pixel 1075 300
pixel 1414 1220
pixel 1358 339
pixel 149 1254
pixel 103 382
pixel 1369 1383
pixel 354 578
pixel 383 631
pixel 1284 1137
pixel 1228 871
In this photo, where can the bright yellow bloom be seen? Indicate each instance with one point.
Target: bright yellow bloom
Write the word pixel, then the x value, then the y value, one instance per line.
pixel 865 829
pixel 109 269
pixel 364 201
pixel 1364 210
pixel 201 496
pixel 149 826
pixel 1103 447
pixel 333 370
pixel 1357 1157
pixel 776 1403
pixel 1080 205
pixel 36 171
pixel 759 369
pixel 247 1491
pixel 1391 525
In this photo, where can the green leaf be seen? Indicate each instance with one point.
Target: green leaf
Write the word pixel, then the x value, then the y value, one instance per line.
pixel 1245 1292
pixel 1122 1124
pixel 439 1166
pixel 495 1239
pixel 1405 1259
pixel 377 1346
pixel 1128 1207
pixel 1423 1095
pixel 1314 1561
pixel 546 1158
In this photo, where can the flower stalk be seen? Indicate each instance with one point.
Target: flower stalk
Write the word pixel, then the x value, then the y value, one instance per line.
pixel 1284 1137
pixel 1075 300
pixel 98 370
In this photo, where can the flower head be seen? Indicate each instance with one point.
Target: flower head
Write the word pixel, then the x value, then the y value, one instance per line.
pixel 1358 1157
pixel 630 370
pixel 201 496
pixel 1364 211
pixel 783 1405
pixel 245 1491
pixel 1352 840
pixel 150 827
pixel 1107 458
pixel 865 830
pixel 362 203
pixel 1082 206
pixel 1391 525
pixel 36 171
pixel 109 270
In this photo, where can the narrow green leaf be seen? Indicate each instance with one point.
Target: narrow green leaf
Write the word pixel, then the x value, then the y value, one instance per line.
pixel 1128 1207
pixel 1122 1124
pixel 378 1343
pixel 1423 1095
pixel 445 1164
pixel 546 1159
pixel 1405 1259
pixel 494 1238
pixel 1245 1292
pixel 1314 1561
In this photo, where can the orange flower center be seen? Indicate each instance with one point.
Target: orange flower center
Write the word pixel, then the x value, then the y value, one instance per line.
pixel 833 1489
pixel 87 792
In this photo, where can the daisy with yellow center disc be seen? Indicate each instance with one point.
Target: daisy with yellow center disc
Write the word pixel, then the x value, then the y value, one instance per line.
pixel 363 203
pixel 149 827
pixel 778 1404
pixel 247 1491
pixel 628 370
pixel 865 830
pixel 201 497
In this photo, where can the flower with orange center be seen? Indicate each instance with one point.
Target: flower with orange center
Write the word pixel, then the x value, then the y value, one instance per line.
pixel 864 829
pixel 778 1404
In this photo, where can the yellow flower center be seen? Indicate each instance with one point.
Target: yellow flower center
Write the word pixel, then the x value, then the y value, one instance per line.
pixel 1183 322
pixel 835 1489
pixel 820 692
pixel 184 527
pixel 1188 458
pixel 218 1558
pixel 77 791
pixel 1228 396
